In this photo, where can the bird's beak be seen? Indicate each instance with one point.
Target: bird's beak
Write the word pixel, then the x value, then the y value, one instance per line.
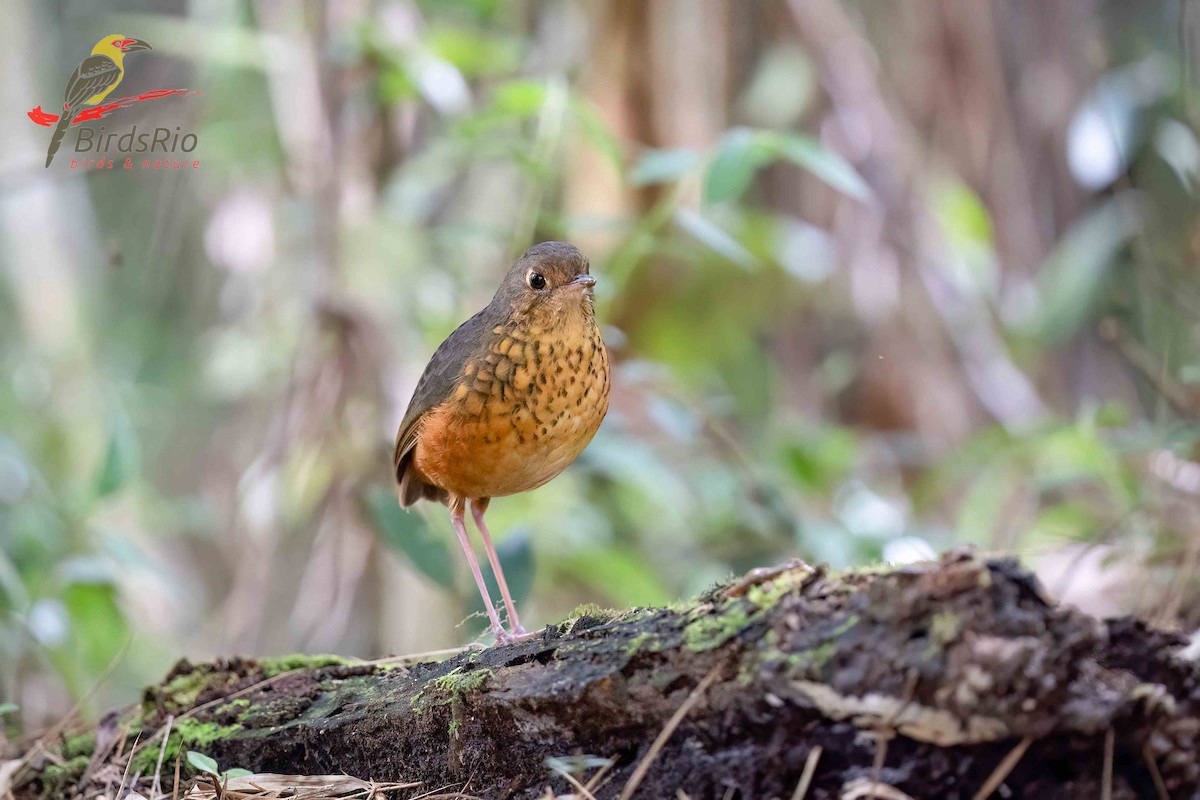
pixel 133 45
pixel 586 281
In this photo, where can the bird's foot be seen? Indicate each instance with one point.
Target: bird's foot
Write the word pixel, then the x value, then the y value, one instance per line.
pixel 517 635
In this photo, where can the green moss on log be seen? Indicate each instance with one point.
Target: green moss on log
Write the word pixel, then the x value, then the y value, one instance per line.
pixel 277 665
pixel 58 778
pixel 186 734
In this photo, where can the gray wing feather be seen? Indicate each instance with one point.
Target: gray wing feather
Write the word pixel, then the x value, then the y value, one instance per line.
pixel 435 386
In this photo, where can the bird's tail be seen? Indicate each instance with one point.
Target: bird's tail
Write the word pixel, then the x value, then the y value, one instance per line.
pixel 60 130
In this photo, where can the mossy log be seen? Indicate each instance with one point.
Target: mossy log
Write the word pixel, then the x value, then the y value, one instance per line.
pixel 954 679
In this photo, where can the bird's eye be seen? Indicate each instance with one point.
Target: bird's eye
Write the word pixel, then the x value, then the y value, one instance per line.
pixel 536 280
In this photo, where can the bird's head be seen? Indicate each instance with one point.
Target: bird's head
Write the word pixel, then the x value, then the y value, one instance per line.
pixel 116 46
pixel 549 284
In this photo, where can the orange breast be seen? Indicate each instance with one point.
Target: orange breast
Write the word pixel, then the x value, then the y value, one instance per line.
pixel 518 416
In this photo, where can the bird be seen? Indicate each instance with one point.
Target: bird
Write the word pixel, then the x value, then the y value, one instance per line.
pixel 507 402
pixel 92 80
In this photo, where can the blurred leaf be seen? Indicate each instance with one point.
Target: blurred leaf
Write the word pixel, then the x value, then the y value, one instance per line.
pixel 663 166
pixel 519 98
pixel 305 479
pixel 713 237
pixel 1074 454
pixel 781 88
pixel 823 163
pixel 1067 521
pixel 623 576
pixel 740 154
pixel 596 131
pixel 964 217
pixel 122 457
pixel 406 533
pixel 236 773
pixel 510 102
pixel 515 552
pixel 202 762
pixel 636 464
pixel 8 708
pixel 395 84
pixel 1073 276
pixel 970 262
pixel 1109 415
pixel 743 151
pixel 473 53
pixel 822 458
pixel 981 511
pixel 98 627
pixel 1178 147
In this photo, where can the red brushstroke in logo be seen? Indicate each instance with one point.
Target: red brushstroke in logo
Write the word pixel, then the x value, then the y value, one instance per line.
pixel 46 119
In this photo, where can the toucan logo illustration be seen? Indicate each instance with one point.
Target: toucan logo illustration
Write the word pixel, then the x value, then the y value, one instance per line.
pixel 88 88
pixel 92 81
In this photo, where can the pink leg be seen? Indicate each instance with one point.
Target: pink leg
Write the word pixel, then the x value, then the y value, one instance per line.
pixel 456 518
pixel 477 509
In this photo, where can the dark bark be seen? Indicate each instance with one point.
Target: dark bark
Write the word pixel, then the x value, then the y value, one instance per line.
pixel 936 673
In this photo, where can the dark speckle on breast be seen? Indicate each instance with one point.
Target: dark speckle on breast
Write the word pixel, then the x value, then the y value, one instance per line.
pixel 534 401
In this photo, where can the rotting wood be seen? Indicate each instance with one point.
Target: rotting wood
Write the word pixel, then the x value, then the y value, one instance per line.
pixel 806 659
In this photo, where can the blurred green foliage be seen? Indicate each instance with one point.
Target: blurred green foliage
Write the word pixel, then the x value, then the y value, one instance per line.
pixel 812 360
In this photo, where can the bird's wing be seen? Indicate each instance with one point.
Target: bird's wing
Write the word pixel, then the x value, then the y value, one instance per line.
pixel 437 382
pixel 95 74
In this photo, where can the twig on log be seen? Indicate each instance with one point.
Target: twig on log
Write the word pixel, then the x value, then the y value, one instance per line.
pixel 810 769
pixel 1002 770
pixel 692 699
pixel 1106 779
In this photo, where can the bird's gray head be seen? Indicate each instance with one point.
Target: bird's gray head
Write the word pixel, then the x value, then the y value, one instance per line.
pixel 549 280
